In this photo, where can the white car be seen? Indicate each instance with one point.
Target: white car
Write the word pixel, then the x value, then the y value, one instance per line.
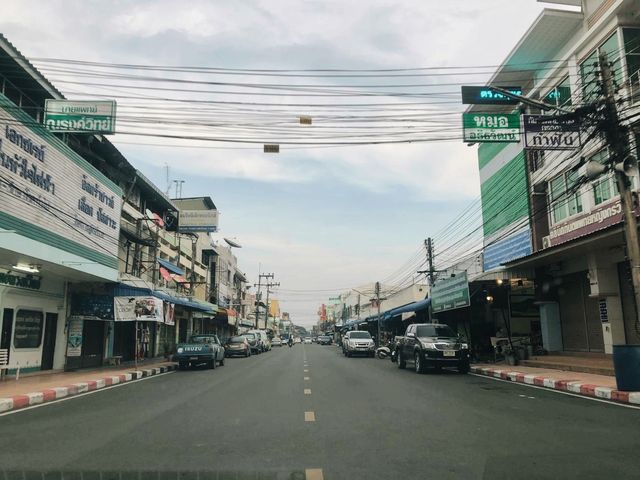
pixel 264 338
pixel 358 342
pixel 276 342
pixel 307 339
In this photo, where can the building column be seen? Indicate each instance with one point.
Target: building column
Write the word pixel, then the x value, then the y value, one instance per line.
pixel 603 281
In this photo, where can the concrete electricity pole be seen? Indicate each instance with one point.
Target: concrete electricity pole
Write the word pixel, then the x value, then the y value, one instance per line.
pixel 258 294
pixel 266 314
pixel 378 304
pixel 617 137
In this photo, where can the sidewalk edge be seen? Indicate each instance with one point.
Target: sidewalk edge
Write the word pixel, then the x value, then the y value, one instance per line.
pixel 16 402
pixel 573 386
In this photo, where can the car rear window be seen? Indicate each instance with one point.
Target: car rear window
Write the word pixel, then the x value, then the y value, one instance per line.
pixel 236 340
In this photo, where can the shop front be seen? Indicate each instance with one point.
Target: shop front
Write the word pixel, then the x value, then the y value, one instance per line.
pixel 59 226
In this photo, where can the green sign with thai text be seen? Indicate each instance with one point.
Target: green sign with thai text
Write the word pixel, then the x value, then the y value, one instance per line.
pixel 450 293
pixel 491 127
pixel 86 116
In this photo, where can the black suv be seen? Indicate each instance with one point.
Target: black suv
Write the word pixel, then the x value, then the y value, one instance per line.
pixel 434 345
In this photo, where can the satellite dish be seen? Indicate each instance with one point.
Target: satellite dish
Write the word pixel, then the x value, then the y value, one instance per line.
pixel 231 243
pixel 149 214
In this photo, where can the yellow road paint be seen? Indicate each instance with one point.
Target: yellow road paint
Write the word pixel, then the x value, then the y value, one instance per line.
pixel 313 474
pixel 307 378
pixel 307 391
pixel 309 416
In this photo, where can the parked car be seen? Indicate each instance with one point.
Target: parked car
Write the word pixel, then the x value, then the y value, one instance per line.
pixel 255 343
pixel 358 342
pixel 307 339
pixel 324 340
pixel 434 345
pixel 285 337
pixel 265 343
pixel 276 342
pixel 202 348
pixel 237 346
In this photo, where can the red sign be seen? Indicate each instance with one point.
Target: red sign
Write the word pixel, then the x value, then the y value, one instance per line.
pixel 602 217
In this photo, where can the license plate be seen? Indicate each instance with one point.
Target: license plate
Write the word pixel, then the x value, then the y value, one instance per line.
pixel 193 358
pixel 449 353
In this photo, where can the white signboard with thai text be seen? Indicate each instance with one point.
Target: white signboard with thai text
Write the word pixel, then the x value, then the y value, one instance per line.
pixel 52 195
pixel 131 309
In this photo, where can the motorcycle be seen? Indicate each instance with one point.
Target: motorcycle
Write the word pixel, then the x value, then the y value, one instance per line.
pixel 387 350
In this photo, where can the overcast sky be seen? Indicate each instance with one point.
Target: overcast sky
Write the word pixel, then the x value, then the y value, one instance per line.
pixel 323 218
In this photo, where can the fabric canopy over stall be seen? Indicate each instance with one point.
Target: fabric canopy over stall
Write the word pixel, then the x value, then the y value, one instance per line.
pixel 411 307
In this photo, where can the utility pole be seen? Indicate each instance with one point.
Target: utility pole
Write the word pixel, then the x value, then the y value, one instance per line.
pixel 617 137
pixel 428 243
pixel 258 294
pixel 378 304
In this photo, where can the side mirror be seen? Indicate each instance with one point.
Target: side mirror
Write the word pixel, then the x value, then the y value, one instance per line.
pixel 411 335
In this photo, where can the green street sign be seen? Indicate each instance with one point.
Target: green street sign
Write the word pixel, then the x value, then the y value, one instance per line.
pixel 450 293
pixel 491 127
pixel 85 116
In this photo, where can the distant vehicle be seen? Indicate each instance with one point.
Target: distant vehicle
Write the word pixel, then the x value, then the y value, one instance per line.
pixel 237 346
pixel 254 342
pixel 298 340
pixel 285 337
pixel 276 342
pixel 314 339
pixel 324 340
pixel 358 342
pixel 432 344
pixel 307 339
pixel 200 349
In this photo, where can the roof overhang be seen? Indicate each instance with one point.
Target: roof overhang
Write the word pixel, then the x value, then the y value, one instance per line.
pixel 543 40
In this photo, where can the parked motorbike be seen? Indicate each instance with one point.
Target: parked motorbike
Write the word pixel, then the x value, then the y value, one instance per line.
pixel 383 352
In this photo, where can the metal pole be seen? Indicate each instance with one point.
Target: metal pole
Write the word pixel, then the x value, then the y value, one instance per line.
pixel 378 303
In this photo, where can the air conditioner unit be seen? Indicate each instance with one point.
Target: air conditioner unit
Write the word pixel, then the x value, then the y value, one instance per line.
pixel 546 242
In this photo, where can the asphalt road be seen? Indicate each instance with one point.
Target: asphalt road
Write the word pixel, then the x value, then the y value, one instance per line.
pixel 371 421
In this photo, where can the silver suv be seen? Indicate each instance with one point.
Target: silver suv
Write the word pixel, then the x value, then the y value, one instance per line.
pixel 358 342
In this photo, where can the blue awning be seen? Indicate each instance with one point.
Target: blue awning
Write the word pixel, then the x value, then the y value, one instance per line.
pixel 171 267
pixel 123 290
pixel 411 307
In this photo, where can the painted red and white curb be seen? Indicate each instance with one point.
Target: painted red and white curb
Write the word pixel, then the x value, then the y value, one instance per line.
pixel 571 386
pixel 55 393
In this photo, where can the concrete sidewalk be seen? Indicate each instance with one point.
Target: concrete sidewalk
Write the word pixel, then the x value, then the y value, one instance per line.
pixel 36 389
pixel 587 384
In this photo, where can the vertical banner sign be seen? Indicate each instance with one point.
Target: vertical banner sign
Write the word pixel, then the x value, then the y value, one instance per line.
pixel 491 127
pixel 546 132
pixel 450 293
pixel 74 338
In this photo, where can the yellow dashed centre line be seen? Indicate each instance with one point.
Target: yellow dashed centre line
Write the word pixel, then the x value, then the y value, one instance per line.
pixel 313 474
pixel 309 416
pixel 307 391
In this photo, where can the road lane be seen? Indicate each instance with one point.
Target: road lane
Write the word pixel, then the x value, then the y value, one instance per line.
pixel 371 421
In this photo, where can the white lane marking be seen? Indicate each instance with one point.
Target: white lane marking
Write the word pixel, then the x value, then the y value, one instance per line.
pixel 307 391
pixel 313 474
pixel 306 370
pixel 73 397
pixel 556 391
pixel 307 378
pixel 309 416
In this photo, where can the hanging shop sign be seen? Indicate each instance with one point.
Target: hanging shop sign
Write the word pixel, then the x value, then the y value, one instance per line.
pixel 547 132
pixel 131 309
pixel 450 293
pixel 473 95
pixel 198 221
pixel 52 195
pixel 169 313
pixel 74 338
pixel 491 127
pixel 85 116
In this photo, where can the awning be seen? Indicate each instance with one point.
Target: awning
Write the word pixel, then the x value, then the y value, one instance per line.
pixel 171 267
pixel 165 274
pixel 411 307
pixel 133 237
